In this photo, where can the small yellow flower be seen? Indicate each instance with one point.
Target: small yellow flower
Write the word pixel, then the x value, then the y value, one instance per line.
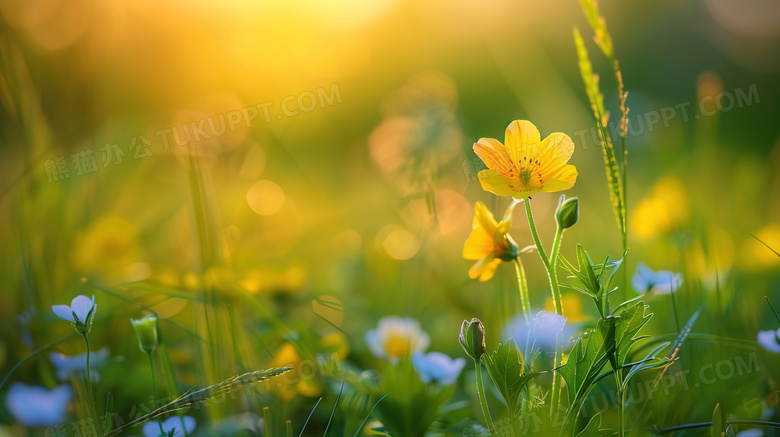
pixel 525 164
pixel 489 243
pixel 397 337
pixel 572 307
pixel 662 211
pixel 300 379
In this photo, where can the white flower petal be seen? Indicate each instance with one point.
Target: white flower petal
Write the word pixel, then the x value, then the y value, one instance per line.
pixel 375 344
pixel 81 305
pixel 63 311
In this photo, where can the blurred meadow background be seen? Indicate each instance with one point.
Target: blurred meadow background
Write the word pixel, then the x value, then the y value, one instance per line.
pixel 272 179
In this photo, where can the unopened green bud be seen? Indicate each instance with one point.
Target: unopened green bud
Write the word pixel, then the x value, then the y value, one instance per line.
pixel 146 331
pixel 472 338
pixel 568 212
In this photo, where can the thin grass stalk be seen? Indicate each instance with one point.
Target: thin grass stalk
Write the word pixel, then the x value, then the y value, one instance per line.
pixel 186 400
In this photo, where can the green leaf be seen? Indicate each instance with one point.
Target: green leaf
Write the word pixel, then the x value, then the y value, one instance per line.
pixel 108 426
pixel 505 366
pixel 652 361
pixel 631 320
pixel 411 406
pixel 587 359
pixel 586 268
pixel 592 428
pixel 717 422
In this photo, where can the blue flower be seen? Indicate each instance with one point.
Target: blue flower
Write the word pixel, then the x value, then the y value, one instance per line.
pixel 660 282
pixel 540 332
pixel 436 366
pixel 152 429
pixel 37 406
pixel 770 340
pixel 68 366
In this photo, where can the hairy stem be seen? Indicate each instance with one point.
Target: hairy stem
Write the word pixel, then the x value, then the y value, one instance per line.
pixel 154 388
pixel 522 285
pixel 90 396
pixel 550 265
pixel 482 398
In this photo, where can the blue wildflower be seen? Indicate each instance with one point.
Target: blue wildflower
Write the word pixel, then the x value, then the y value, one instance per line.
pixel 436 366
pixel 660 282
pixel 37 406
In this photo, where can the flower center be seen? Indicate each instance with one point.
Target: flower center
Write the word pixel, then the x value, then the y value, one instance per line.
pixel 397 346
pixel 525 175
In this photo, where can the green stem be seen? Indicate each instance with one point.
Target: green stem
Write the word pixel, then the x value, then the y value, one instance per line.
pixel 522 285
pixel 482 398
pixel 154 388
pixel 620 406
pixel 535 234
pixel 89 376
pixel 553 271
pixel 170 380
pixel 92 404
pixel 550 265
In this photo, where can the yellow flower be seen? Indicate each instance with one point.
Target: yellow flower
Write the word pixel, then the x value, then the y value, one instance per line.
pixel 109 246
pixel 299 380
pixel 662 211
pixel 572 307
pixel 489 242
pixel 525 164
pixel 397 337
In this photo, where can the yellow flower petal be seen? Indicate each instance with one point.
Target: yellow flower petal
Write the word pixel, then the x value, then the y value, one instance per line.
pixel 484 269
pixel 554 152
pixel 562 180
pixel 495 156
pixel 497 184
pixel 478 245
pixel 520 136
pixel 483 218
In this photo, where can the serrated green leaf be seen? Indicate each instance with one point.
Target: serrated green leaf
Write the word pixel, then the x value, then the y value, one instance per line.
pixel 631 320
pixel 586 267
pixel 505 367
pixel 587 359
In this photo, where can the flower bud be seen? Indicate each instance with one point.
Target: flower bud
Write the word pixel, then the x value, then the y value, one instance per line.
pixel 146 331
pixel 568 212
pixel 472 338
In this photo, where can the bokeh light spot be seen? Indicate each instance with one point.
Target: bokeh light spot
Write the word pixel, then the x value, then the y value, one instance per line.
pixel 265 197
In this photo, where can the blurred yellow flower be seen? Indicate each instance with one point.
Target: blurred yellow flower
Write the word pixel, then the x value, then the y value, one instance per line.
pixel 336 344
pixel 663 210
pixel 525 164
pixel 109 246
pixel 489 243
pixel 572 307
pixel 756 256
pixel 300 380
